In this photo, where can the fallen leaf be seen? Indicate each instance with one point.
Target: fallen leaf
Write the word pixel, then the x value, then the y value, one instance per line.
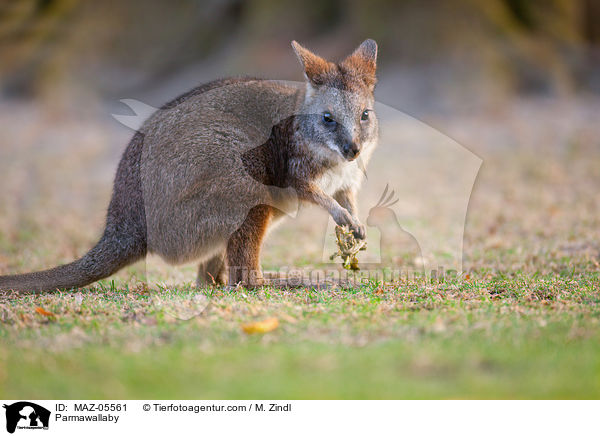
pixel 288 318
pixel 265 326
pixel 44 312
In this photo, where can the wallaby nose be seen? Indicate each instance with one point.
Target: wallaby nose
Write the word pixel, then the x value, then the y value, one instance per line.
pixel 351 150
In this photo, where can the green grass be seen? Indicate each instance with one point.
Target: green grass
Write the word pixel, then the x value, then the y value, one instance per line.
pixel 491 336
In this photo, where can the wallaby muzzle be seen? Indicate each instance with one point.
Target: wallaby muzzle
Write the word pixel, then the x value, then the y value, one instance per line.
pixel 351 150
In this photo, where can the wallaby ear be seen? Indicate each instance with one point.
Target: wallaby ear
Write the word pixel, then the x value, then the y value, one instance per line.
pixel 315 67
pixel 364 61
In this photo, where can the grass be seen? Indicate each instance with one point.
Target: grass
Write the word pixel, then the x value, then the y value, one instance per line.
pixel 524 322
pixel 486 337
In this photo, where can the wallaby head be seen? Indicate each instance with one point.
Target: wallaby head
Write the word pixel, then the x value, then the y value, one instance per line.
pixel 337 114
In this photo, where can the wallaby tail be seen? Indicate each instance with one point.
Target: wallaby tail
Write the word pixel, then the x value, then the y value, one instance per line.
pixel 106 258
pixel 123 241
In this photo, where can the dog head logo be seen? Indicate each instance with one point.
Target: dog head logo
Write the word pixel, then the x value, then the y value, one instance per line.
pixel 26 415
pixel 427 179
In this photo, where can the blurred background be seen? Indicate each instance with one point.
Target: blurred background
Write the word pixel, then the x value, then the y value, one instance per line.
pixel 515 81
pixel 449 55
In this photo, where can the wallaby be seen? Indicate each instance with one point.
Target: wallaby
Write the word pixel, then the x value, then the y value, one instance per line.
pixel 208 174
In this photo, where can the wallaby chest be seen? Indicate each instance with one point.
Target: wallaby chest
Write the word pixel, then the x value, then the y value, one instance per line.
pixel 343 176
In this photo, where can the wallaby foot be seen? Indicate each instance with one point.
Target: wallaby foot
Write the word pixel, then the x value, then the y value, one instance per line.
pixel 213 271
pixel 243 248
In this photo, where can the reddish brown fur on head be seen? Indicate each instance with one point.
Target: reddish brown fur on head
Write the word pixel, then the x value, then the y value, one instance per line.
pixel 362 63
pixel 357 70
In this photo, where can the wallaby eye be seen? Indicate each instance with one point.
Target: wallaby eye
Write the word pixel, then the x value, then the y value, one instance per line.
pixel 365 115
pixel 328 118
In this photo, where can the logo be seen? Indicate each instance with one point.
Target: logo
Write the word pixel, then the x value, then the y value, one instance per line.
pixel 422 178
pixel 26 415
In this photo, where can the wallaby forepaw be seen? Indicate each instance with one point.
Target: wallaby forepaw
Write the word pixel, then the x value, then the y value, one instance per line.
pixel 360 231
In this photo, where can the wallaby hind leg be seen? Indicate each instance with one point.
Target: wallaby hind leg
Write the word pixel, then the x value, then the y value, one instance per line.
pixel 213 271
pixel 243 248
